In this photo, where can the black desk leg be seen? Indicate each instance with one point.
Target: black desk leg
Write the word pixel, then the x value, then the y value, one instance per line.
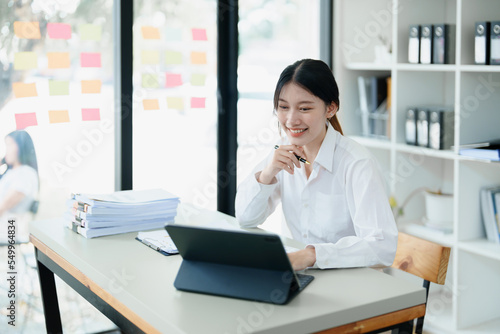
pixel 49 298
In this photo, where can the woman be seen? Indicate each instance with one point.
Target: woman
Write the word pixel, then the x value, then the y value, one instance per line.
pixel 19 184
pixel 336 204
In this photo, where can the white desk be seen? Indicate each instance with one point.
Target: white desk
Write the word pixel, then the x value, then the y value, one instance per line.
pixel 133 286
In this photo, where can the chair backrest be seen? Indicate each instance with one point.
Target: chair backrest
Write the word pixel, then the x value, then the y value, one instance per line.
pixel 422 258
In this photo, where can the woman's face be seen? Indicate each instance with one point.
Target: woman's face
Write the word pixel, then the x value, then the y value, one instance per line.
pixel 11 151
pixel 303 115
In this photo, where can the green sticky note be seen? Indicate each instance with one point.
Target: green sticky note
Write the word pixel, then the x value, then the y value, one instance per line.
pixel 57 87
pixel 149 57
pixel 175 103
pixel 25 61
pixel 90 32
pixel 198 79
pixel 150 80
pixel 173 58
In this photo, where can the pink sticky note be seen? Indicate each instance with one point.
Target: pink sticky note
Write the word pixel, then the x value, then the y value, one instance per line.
pixel 199 34
pixel 197 102
pixel 91 114
pixel 90 59
pixel 173 80
pixel 59 30
pixel 24 120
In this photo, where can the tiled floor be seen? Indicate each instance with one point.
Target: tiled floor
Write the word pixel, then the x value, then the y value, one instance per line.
pixel 77 315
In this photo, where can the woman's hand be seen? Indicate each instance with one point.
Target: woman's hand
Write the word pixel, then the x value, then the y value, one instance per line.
pixel 302 259
pixel 284 159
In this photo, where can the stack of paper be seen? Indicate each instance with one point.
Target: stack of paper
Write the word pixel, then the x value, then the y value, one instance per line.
pixel 120 212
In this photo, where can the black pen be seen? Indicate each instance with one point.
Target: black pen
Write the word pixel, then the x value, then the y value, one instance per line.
pixel 300 159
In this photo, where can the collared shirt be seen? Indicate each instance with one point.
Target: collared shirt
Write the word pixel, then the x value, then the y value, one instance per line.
pixel 341 209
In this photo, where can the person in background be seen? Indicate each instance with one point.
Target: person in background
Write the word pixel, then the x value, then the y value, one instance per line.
pixel 335 203
pixel 19 183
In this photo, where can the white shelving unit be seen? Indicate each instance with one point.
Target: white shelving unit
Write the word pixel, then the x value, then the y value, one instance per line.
pixel 469 302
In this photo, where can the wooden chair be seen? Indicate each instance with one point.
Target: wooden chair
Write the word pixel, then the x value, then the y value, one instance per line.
pixel 424 259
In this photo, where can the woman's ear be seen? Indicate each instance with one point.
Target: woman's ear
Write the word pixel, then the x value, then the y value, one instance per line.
pixel 331 110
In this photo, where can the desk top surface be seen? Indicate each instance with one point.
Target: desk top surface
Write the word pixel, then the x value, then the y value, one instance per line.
pixel 142 280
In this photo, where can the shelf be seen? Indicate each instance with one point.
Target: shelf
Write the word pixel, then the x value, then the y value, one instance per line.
pixel 481 247
pixel 479 68
pixel 426 67
pixel 490 327
pixel 372 142
pixel 368 66
pixel 485 161
pixel 417 229
pixel 444 154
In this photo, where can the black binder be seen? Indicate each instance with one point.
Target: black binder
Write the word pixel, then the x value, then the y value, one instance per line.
pixel 426 44
pixel 495 43
pixel 482 43
pixel 411 126
pixel 414 44
pixel 441 129
pixel 443 44
pixel 423 128
pixel 235 264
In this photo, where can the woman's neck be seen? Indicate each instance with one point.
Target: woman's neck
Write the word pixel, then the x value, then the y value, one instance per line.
pixel 311 150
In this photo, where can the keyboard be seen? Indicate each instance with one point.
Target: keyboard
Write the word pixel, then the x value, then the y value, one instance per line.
pixel 304 280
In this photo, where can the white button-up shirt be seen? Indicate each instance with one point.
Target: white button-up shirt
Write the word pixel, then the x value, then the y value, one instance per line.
pixel 342 209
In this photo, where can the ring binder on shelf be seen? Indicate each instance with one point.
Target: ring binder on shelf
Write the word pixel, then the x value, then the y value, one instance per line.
pixel 495 43
pixel 443 51
pixel 482 43
pixel 414 44
pixel 411 126
pixel 426 44
pixel 441 129
pixel 423 128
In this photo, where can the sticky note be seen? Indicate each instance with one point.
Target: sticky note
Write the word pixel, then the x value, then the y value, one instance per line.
pixel 58 87
pixel 173 58
pixel 150 80
pixel 25 61
pixel 198 79
pixel 173 80
pixel 150 104
pixel 58 116
pixel 150 57
pixel 149 32
pixel 197 102
pixel 199 34
pixel 88 59
pixel 198 57
pixel 90 32
pixel 173 34
pixel 59 30
pixel 58 59
pixel 29 30
pixel 24 120
pixel 175 103
pixel 90 114
pixel 24 89
pixel 91 86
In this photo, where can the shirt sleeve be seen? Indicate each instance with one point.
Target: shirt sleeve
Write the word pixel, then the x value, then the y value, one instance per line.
pixel 256 201
pixel 25 181
pixel 376 236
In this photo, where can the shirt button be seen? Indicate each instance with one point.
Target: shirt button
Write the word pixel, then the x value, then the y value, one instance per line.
pixel 306 205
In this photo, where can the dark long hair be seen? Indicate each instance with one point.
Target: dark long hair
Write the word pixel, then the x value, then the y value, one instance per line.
pixel 314 76
pixel 26 154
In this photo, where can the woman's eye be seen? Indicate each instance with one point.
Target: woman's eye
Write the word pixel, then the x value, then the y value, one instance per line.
pixel 283 107
pixel 305 109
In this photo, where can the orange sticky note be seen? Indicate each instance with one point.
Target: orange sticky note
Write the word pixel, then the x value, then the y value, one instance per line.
pixel 29 30
pixel 150 104
pixel 24 89
pixel 91 114
pixel 24 120
pixel 58 59
pixel 149 32
pixel 199 34
pixel 198 57
pixel 197 102
pixel 91 86
pixel 175 103
pixel 59 30
pixel 58 116
pixel 25 61
pixel 88 59
pixel 173 80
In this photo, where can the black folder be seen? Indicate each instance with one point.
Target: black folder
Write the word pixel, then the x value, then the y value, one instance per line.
pixel 235 264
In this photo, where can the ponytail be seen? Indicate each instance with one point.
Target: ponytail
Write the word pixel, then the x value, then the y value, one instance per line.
pixel 334 121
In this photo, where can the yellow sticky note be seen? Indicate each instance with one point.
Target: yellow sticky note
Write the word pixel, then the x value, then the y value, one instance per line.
pixel 58 59
pixel 90 32
pixel 24 89
pixel 173 58
pixel 58 87
pixel 150 80
pixel 150 104
pixel 149 57
pixel 29 30
pixel 198 79
pixel 91 86
pixel 149 32
pixel 25 61
pixel 175 103
pixel 198 57
pixel 58 116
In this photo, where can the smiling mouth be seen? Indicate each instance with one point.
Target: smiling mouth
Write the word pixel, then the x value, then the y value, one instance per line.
pixel 297 131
